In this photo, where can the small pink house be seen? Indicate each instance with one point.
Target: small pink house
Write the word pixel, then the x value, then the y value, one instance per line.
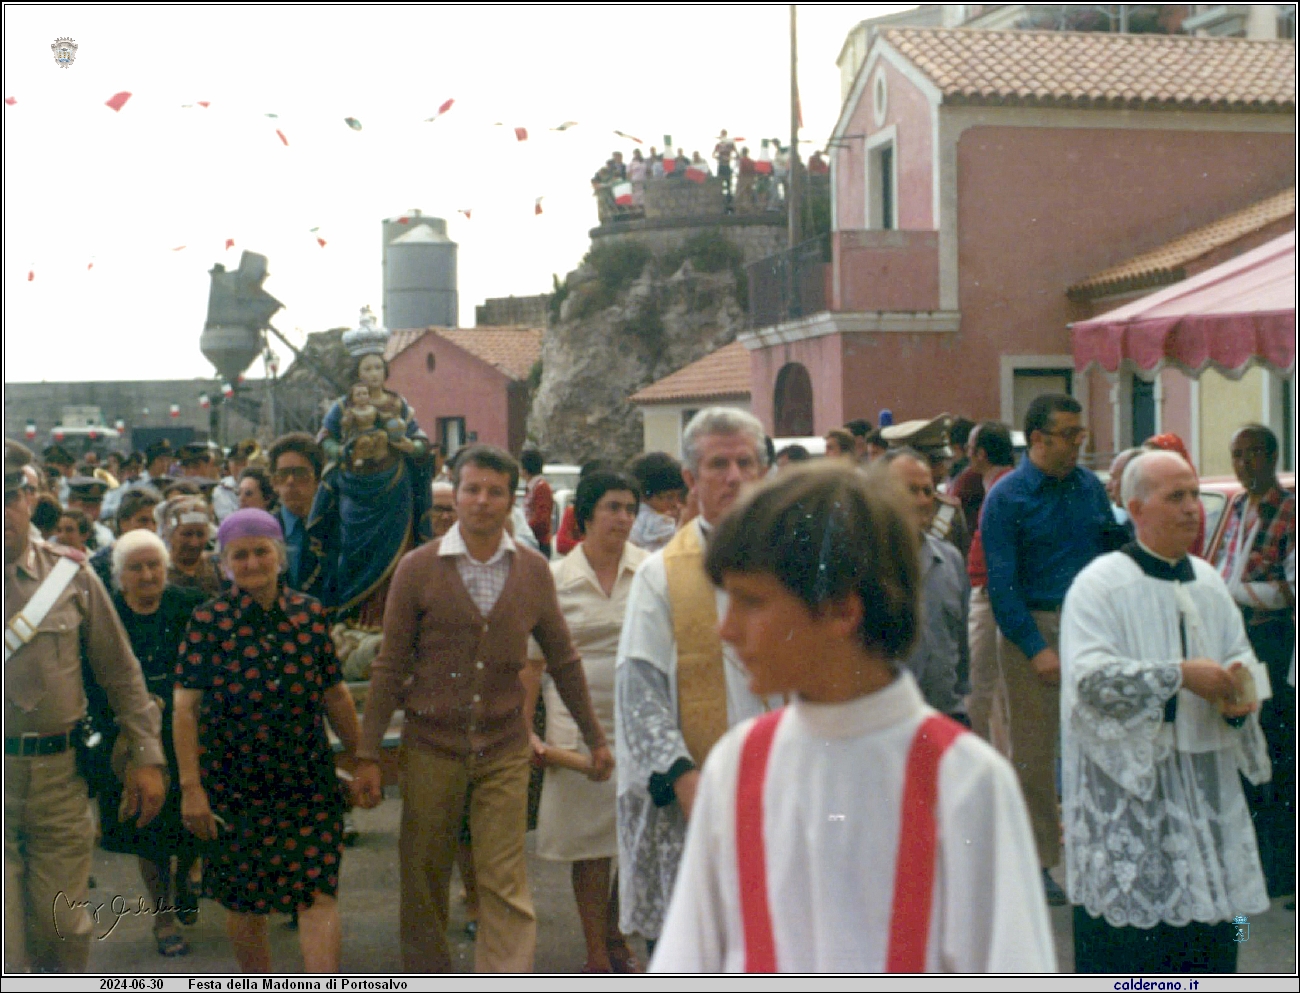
pixel 976 177
pixel 466 384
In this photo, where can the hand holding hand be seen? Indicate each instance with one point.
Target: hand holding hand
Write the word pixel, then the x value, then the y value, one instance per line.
pixel 367 784
pixel 602 764
pixel 143 793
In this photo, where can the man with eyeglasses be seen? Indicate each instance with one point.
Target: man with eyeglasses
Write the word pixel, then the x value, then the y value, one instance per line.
pixel 1041 525
pixel 296 462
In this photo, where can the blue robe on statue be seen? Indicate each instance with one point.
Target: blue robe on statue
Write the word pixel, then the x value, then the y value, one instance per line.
pixel 361 524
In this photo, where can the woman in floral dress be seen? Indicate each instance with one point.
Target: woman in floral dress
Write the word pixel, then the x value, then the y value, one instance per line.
pixel 256 678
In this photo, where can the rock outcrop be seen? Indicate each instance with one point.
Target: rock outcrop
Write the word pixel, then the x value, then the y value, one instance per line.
pixel 628 317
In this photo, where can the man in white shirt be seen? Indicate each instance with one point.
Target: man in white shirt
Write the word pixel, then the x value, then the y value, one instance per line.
pixel 1158 716
pixel 676 687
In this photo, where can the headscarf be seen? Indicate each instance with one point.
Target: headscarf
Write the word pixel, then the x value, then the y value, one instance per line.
pixel 248 523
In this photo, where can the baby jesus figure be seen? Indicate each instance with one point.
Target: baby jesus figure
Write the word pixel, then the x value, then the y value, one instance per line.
pixel 361 427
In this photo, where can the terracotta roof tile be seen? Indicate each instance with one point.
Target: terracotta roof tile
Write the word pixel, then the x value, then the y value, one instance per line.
pixel 1089 69
pixel 723 374
pixel 513 350
pixel 1164 264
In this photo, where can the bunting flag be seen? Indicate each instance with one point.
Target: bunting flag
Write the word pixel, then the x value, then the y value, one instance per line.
pixel 118 100
pixel 230 243
pixel 565 126
pixel 624 134
pixel 119 424
pixel 175 410
pixel 521 134
pixel 320 241
pixel 446 106
pixel 205 104
pixel 282 137
pixel 204 402
pixel 179 248
pixel 56 434
pixel 271 115
pixel 353 123
pixel 90 265
pixel 537 205
pixel 465 211
pixel 623 194
pixel 227 390
pixel 31 274
pixel 30 431
pixel 10 101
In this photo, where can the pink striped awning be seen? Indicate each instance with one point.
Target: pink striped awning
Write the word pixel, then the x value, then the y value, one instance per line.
pixel 1238 314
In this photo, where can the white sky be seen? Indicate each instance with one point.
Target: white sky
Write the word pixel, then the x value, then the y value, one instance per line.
pixel 84 184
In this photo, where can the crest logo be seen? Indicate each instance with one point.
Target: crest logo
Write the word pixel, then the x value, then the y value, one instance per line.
pixel 1241 928
pixel 65 51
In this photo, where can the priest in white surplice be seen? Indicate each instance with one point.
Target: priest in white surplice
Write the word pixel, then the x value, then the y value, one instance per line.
pixel 676 689
pixel 1157 719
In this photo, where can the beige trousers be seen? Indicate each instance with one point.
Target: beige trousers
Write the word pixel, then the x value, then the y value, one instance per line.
pixel 987 703
pixel 1034 711
pixel 434 789
pixel 49 837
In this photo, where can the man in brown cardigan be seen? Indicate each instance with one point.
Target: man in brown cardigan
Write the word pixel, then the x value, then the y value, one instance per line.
pixel 456 626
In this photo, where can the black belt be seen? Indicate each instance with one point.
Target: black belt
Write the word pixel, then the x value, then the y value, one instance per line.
pixel 1046 605
pixel 29 745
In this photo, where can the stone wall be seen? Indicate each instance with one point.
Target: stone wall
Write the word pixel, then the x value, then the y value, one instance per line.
pixel 756 237
pixel 531 312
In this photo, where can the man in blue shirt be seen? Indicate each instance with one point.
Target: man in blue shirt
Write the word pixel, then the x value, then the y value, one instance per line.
pixel 1041 525
pixel 296 463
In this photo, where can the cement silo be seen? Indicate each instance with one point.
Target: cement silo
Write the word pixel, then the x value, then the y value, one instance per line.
pixel 419 273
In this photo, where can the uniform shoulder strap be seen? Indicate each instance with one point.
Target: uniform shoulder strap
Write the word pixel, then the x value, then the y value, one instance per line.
pixel 21 628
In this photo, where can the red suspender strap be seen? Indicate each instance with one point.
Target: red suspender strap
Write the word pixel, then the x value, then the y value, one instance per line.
pixel 751 859
pixel 909 923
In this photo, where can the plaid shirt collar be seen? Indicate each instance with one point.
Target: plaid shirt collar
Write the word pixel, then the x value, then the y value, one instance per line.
pixel 452 545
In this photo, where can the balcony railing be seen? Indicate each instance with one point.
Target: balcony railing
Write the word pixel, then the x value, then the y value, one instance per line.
pixel 790 284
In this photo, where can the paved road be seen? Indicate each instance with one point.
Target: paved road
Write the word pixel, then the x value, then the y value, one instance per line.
pixel 368 896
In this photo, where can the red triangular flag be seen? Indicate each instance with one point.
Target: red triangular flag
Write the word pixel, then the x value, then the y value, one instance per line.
pixel 465 212
pixel 118 100
pixel 320 241
pixel 89 266
pixel 204 103
pixel 521 134
pixel 11 101
pixel 31 274
pixel 282 137
pixel 537 206
pixel 230 243
pixel 179 248
pixel 446 106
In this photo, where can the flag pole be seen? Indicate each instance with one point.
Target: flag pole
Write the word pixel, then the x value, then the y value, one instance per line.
pixel 794 189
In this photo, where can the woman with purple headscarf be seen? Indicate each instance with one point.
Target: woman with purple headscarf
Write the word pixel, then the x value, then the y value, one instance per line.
pixel 256 678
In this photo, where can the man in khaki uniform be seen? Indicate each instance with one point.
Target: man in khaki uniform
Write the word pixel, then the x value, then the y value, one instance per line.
pixel 930 438
pixel 49 835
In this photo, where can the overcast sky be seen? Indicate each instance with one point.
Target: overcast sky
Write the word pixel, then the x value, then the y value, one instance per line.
pixel 117 192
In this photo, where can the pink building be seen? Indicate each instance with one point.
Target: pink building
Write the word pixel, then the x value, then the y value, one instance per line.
pixel 466 384
pixel 976 177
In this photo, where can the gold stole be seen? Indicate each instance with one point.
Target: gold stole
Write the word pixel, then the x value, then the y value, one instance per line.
pixel 701 676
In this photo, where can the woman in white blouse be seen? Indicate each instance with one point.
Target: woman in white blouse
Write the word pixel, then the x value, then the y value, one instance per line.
pixel 576 821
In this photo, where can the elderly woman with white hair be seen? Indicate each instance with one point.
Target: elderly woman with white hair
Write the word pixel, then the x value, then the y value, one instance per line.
pixel 255 681
pixel 185 524
pixel 154 614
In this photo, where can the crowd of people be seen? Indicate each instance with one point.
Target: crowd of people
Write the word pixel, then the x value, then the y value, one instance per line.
pixel 774 688
pixel 749 184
